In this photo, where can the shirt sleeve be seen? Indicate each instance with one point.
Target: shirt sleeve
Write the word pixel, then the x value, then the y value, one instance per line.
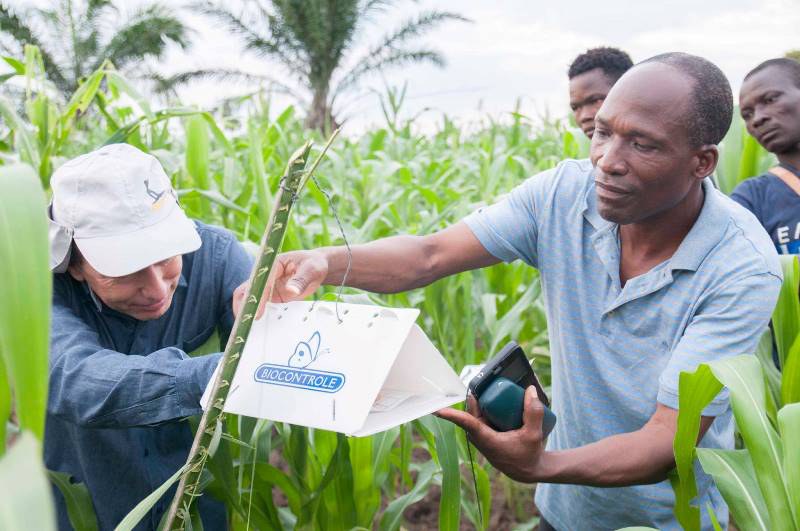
pixel 744 194
pixel 236 265
pixel 509 229
pixel 96 387
pixel 728 323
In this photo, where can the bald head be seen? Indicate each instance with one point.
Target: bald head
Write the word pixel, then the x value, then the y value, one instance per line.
pixel 710 106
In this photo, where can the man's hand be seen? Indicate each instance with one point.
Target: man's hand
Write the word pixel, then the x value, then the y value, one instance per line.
pixel 516 453
pixel 294 276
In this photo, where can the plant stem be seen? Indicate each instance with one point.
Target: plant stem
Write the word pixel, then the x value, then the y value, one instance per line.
pixel 213 416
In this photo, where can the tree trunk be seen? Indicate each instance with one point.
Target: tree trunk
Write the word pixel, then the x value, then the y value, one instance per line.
pixel 320 115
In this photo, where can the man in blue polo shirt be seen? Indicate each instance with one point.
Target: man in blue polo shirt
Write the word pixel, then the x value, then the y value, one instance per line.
pixel 646 271
pixel 137 285
pixel 770 105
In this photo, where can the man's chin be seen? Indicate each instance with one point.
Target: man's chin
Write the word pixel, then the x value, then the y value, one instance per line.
pixel 611 215
pixel 145 314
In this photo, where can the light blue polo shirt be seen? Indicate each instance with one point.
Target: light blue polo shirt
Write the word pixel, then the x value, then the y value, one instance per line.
pixel 617 351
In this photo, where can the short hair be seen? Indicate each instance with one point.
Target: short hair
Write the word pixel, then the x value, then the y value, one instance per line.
pixel 789 66
pixel 711 106
pixel 612 61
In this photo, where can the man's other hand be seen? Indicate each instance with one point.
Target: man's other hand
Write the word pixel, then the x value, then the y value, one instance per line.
pixel 294 276
pixel 515 453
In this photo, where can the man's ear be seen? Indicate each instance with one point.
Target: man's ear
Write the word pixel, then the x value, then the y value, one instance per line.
pixel 707 159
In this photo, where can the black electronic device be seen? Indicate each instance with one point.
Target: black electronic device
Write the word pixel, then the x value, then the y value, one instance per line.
pixel 500 389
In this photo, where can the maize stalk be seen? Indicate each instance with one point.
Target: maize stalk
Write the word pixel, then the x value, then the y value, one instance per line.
pixel 211 421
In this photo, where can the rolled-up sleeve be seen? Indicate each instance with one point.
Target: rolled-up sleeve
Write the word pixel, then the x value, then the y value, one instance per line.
pixel 96 387
pixel 727 323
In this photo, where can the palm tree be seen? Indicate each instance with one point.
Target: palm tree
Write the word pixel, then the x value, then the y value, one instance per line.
pixel 313 39
pixel 76 37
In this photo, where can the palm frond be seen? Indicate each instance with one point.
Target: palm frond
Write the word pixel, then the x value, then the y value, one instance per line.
pixel 168 84
pixel 274 44
pixel 143 36
pixel 12 24
pixel 416 27
pixel 392 59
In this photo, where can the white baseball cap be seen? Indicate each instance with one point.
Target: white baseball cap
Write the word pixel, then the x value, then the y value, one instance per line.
pixel 118 206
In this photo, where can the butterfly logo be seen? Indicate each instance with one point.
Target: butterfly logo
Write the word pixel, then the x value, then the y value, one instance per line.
pixel 307 352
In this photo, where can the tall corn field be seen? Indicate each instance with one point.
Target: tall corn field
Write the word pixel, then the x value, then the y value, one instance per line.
pixel 225 164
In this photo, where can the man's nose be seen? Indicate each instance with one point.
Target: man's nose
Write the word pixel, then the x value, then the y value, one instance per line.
pixel 760 118
pixel 153 285
pixel 610 160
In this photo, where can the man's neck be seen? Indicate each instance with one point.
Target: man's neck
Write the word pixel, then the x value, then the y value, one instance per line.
pixel 791 159
pixel 648 243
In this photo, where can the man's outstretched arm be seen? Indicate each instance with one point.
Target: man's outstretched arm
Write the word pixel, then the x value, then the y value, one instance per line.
pixel 389 265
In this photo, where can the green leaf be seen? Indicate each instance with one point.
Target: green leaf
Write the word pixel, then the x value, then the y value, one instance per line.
pixel 366 492
pixel 118 82
pixel 789 427
pixel 393 515
pixel 735 477
pixel 197 147
pixel 790 379
pixel 27 501
pixel 133 518
pixel 786 316
pixel 25 293
pixel 696 391
pixel 78 501
pixel 5 404
pixel 23 138
pixel 447 449
pixel 744 379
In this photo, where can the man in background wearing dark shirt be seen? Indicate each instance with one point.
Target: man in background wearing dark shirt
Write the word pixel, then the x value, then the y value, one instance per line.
pixel 770 105
pixel 591 76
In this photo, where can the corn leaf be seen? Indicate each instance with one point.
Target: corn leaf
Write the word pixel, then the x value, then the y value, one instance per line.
pixel 27 501
pixel 133 518
pixel 786 317
pixel 789 427
pixel 742 375
pixel 447 450
pixel 78 501
pixel 392 517
pixel 5 404
pixel 790 376
pixel 696 391
pixel 735 477
pixel 25 293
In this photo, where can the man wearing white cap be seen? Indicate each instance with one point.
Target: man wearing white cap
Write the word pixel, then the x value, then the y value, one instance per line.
pixel 137 285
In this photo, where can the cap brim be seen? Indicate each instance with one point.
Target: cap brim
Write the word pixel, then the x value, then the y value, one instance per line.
pixel 123 254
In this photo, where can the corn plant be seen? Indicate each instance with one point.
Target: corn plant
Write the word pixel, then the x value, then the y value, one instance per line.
pixel 741 157
pixel 760 483
pixel 24 332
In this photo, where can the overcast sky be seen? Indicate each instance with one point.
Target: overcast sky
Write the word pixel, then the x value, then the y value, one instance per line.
pixel 521 49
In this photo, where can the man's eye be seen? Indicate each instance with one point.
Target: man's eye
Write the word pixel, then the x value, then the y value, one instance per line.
pixel 600 133
pixel 770 99
pixel 643 147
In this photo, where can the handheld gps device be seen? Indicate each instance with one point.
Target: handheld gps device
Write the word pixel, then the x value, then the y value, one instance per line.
pixel 500 390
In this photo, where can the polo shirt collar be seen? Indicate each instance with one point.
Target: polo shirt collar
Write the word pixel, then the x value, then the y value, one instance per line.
pixel 705 234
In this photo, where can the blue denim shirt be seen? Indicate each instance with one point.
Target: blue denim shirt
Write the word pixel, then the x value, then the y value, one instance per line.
pixel 121 389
